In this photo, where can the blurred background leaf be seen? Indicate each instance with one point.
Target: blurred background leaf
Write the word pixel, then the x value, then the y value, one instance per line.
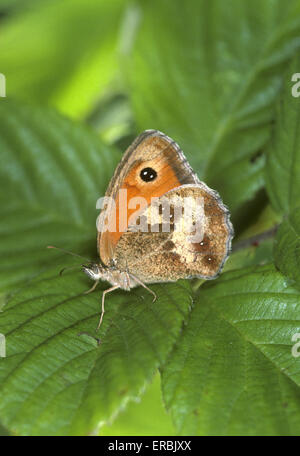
pixel 208 73
pixel 62 53
pixel 259 251
pixel 8 5
pixel 3 431
pixel 146 416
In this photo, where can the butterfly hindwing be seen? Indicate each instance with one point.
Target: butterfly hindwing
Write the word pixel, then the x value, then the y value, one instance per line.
pixel 175 246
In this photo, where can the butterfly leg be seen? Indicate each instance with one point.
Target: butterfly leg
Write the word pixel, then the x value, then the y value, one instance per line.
pixel 92 288
pixel 144 286
pixel 103 298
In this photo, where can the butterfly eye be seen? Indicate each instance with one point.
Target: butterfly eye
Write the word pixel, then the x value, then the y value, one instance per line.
pixel 148 174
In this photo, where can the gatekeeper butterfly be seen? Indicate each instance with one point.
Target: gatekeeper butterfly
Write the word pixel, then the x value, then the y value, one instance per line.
pixel 181 230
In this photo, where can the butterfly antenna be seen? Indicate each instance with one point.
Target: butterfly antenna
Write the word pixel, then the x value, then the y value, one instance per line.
pixel 68 268
pixel 67 251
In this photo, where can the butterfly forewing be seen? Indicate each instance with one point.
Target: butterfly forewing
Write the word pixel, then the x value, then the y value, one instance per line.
pixel 153 165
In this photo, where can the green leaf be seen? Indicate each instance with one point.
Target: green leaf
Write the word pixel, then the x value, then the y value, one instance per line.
pixel 146 416
pixel 287 247
pixel 282 177
pixel 6 4
pixel 232 371
pixel 54 381
pixel 3 431
pixel 112 119
pixel 62 53
pixel 283 159
pixel 259 252
pixel 52 173
pixel 209 79
pixel 248 256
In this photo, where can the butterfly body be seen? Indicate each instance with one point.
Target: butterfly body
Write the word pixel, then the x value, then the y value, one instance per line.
pixel 110 274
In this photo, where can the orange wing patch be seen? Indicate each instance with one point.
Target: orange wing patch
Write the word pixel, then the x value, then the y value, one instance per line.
pixel 135 187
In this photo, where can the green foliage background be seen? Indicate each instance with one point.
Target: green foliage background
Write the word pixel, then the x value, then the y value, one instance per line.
pixel 83 79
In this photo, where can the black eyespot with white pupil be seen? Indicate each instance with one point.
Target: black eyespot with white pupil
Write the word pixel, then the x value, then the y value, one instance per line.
pixel 148 174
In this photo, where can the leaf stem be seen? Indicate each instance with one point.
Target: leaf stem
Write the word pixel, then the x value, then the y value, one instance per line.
pixel 255 240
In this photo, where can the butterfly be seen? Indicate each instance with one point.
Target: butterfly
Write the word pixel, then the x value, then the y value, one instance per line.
pixel 155 173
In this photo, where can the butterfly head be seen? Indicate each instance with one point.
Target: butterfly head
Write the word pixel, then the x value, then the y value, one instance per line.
pixel 93 270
